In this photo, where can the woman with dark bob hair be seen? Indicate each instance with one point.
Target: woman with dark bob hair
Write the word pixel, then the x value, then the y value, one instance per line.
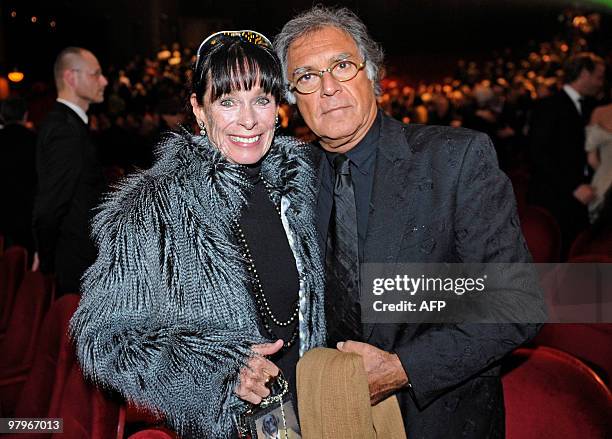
pixel 209 278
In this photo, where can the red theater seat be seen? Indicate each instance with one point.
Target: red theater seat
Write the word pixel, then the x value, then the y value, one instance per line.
pixel 549 394
pixel 154 433
pixel 86 411
pixel 542 234
pixel 20 341
pixel 591 343
pixel 588 244
pixel 52 361
pixel 55 387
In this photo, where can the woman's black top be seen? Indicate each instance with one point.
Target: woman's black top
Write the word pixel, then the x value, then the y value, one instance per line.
pixel 276 267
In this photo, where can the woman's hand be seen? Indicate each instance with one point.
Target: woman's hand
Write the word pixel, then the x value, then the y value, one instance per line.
pixel 257 373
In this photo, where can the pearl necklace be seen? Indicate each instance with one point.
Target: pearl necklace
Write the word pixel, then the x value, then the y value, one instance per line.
pixel 261 300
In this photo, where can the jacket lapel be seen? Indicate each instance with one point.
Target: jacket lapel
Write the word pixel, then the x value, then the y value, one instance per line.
pixel 387 215
pixel 322 219
pixel 571 108
pixel 387 218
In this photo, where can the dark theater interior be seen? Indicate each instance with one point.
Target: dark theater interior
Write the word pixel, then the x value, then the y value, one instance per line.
pixel 77 166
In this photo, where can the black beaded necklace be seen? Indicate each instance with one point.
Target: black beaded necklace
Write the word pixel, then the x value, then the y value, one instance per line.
pixel 263 307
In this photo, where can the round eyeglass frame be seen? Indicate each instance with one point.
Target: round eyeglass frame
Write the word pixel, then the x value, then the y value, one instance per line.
pixel 294 87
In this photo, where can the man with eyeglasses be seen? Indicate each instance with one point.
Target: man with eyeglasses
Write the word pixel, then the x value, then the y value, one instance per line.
pixel 394 193
pixel 70 179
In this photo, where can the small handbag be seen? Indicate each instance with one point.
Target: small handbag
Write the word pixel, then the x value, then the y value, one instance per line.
pixel 274 417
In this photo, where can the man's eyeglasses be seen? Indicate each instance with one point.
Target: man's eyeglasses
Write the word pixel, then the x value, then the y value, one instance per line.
pixel 218 37
pixel 96 74
pixel 310 81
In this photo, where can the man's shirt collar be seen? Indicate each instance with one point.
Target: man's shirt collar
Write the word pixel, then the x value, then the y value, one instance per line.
pixel 74 107
pixel 574 96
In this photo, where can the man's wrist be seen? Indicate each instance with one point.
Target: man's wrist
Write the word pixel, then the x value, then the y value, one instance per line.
pixel 401 376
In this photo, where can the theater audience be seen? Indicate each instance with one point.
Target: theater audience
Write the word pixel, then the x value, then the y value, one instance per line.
pixel 496 95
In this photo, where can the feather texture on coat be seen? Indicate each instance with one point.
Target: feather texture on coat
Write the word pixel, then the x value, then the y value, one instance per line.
pixel 167 318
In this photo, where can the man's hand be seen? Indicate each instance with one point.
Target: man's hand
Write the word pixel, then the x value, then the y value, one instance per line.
pixel 385 371
pixel 584 193
pixel 257 373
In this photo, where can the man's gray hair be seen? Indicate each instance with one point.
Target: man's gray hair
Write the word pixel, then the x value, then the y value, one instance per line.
pixel 344 19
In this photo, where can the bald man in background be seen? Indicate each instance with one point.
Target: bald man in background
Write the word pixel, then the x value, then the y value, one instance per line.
pixel 70 179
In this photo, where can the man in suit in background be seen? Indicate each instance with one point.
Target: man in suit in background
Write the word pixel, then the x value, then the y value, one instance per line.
pixel 394 193
pixel 70 179
pixel 556 132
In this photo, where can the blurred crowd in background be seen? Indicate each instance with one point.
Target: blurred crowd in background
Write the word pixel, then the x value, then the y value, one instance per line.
pixel 147 96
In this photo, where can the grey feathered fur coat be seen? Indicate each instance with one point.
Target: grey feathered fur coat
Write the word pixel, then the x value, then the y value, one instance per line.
pixel 166 318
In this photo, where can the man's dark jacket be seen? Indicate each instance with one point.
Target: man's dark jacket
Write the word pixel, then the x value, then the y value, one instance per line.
pixel 70 182
pixel 439 196
pixel 556 138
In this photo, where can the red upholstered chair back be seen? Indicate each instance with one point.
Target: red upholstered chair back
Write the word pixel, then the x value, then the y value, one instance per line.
pixel 86 411
pixel 591 343
pixel 12 269
pixel 52 362
pixel 20 340
pixel 31 304
pixel 154 433
pixel 542 234
pixel 588 244
pixel 55 387
pixel 549 394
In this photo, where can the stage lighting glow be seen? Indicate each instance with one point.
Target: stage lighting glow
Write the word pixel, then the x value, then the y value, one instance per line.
pixel 15 76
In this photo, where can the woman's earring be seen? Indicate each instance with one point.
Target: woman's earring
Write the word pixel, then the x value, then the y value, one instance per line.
pixel 276 123
pixel 202 128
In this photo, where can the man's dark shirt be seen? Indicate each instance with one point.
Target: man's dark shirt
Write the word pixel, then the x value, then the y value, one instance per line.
pixel 363 159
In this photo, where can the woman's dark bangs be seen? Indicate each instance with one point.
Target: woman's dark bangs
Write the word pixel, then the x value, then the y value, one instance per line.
pixel 242 67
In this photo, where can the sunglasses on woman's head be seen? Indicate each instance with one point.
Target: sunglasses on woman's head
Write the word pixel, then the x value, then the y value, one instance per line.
pixel 247 35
